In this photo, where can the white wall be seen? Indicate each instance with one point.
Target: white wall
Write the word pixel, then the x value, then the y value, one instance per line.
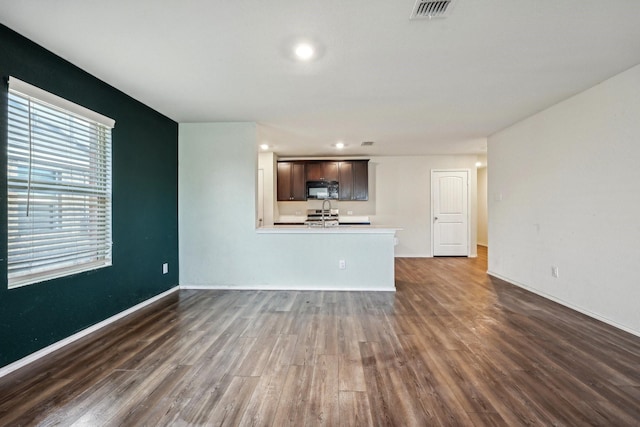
pixel 483 219
pixel 564 190
pixel 403 198
pixel 219 245
pixel 400 196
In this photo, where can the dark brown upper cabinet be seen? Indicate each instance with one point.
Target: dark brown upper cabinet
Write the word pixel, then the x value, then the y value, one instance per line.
pixel 345 181
pixel 352 177
pixel 354 180
pixel 291 181
pixel 322 171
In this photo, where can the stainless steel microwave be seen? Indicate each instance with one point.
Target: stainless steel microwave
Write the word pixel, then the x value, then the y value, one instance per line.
pixel 322 189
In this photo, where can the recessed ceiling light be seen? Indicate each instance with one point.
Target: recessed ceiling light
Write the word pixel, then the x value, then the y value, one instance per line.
pixel 339 145
pixel 301 48
pixel 304 51
pixel 478 164
pixel 264 146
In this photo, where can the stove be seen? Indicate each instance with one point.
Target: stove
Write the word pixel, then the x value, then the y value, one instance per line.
pixel 314 217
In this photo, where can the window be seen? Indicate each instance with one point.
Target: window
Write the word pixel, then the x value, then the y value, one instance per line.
pixel 58 185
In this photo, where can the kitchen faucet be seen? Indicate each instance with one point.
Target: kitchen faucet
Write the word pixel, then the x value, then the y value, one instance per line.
pixel 324 224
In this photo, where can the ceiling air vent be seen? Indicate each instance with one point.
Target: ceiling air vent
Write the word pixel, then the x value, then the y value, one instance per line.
pixel 428 9
pixel 366 143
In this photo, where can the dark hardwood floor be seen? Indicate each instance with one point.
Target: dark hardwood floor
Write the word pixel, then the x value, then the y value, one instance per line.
pixel 451 347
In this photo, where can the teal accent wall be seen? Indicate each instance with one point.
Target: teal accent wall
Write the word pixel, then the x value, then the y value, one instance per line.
pixel 145 209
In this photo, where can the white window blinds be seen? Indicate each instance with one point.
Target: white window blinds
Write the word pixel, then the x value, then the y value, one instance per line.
pixel 59 186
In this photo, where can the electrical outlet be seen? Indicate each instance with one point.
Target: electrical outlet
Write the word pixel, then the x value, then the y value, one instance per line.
pixel 165 268
pixel 342 264
pixel 349 212
pixel 554 272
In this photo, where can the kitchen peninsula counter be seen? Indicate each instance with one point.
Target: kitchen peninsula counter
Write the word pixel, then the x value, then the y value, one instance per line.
pixel 336 258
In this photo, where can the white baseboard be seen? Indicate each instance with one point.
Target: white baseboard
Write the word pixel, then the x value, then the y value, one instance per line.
pixel 420 255
pixel 416 255
pixel 66 341
pixel 282 288
pixel 567 304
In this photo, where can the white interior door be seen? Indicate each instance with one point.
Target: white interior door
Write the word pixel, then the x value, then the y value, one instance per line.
pixel 450 208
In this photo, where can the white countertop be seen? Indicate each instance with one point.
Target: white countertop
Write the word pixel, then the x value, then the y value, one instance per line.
pixel 292 219
pixel 340 229
pixel 344 219
pixel 349 219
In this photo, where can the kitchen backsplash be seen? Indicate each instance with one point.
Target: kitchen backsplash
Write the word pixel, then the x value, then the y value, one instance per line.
pixel 346 208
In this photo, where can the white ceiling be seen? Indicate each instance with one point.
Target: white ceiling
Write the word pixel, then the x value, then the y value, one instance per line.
pixel 436 86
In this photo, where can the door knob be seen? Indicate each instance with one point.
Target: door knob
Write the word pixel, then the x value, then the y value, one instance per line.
pixel 435 218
